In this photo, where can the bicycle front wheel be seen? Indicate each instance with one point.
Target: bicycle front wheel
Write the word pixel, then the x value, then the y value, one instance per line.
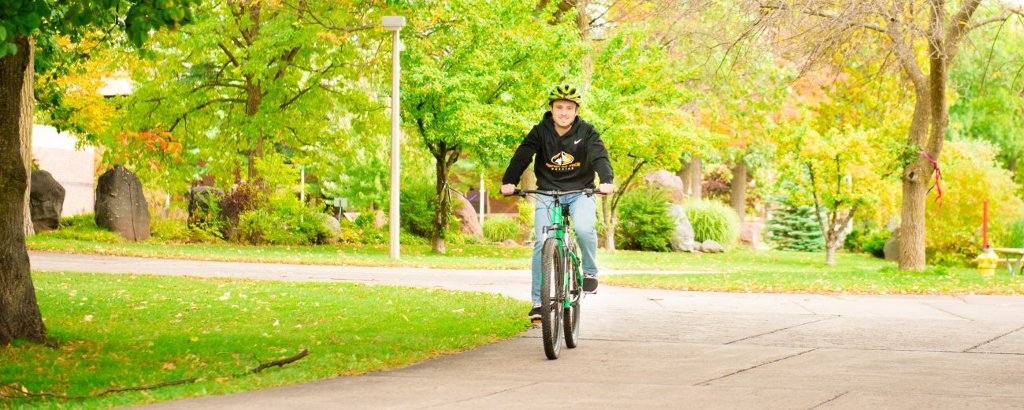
pixel 571 315
pixel 551 297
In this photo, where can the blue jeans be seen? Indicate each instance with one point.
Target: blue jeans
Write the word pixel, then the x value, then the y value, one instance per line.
pixel 583 211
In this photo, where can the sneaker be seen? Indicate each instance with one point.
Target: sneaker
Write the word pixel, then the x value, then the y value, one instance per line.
pixel 589 283
pixel 535 313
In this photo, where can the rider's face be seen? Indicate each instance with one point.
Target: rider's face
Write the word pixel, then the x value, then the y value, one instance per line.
pixel 563 112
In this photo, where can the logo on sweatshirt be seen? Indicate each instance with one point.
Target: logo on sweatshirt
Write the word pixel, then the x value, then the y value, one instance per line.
pixel 563 161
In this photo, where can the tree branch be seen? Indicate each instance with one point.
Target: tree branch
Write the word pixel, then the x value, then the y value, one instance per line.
pixel 959 26
pixel 227 52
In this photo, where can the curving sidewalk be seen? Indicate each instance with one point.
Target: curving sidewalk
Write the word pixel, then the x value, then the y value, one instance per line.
pixel 645 348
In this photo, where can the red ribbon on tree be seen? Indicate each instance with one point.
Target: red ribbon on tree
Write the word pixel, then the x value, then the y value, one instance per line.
pixel 938 178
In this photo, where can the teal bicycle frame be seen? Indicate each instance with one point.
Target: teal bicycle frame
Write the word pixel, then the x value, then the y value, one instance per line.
pixel 560 223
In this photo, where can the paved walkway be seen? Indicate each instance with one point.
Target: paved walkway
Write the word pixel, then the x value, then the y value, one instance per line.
pixel 645 348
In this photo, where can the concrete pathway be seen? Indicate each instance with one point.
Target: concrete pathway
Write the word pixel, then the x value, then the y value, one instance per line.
pixel 645 348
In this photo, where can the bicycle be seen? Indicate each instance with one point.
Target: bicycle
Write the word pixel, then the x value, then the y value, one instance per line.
pixel 561 286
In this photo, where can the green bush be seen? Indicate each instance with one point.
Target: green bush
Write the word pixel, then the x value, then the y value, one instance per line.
pixel 525 221
pixel 170 229
pixel 644 223
pixel 868 240
pixel 500 229
pixel 713 220
pixel 418 205
pixel 284 221
pixel 1014 236
pixel 795 228
pixel 970 174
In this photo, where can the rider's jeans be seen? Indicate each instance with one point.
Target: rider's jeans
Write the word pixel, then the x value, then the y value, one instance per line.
pixel 583 210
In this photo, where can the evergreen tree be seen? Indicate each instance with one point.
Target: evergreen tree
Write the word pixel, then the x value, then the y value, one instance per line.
pixel 795 228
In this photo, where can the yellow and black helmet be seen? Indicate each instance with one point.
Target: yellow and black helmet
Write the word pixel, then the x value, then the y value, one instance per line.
pixel 565 92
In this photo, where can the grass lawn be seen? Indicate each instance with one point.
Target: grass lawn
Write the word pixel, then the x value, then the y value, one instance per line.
pixel 115 331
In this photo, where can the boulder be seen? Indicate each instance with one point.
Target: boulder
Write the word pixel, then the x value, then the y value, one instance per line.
pixel 667 181
pixel 468 216
pixel 682 237
pixel 46 201
pixel 120 204
pixel 892 246
pixel 332 225
pixel 710 246
pixel 510 242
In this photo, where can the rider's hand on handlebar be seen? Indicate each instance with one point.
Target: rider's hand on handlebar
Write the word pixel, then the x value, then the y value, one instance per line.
pixel 604 189
pixel 508 189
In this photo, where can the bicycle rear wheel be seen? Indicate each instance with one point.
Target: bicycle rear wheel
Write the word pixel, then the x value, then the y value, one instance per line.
pixel 571 318
pixel 551 297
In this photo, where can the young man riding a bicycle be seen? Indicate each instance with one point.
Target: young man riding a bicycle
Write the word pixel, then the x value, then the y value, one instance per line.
pixel 569 152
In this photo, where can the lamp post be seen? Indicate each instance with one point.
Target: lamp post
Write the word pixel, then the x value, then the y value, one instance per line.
pixel 394 24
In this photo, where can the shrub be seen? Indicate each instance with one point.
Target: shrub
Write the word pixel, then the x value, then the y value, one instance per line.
pixel 418 206
pixel 970 174
pixel 170 229
pixel 1014 236
pixel 795 228
pixel 525 221
pixel 241 199
pixel 500 229
pixel 644 223
pixel 713 220
pixel 868 240
pixel 284 221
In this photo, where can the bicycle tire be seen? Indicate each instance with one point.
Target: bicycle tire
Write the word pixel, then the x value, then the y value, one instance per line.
pixel 571 315
pixel 551 297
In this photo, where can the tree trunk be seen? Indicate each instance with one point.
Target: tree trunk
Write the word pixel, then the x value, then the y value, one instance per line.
pixel 692 179
pixel 20 317
pixel 915 178
pixel 583 24
pixel 738 195
pixel 830 254
pixel 610 222
pixel 444 158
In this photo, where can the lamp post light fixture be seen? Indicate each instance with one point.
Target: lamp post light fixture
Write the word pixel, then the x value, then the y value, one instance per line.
pixel 394 24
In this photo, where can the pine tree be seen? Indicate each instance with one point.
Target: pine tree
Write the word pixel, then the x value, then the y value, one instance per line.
pixel 795 228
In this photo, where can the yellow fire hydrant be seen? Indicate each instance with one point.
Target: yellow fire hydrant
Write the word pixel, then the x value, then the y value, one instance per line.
pixel 987 262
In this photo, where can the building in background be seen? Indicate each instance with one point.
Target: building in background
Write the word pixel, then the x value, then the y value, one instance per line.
pixel 74 169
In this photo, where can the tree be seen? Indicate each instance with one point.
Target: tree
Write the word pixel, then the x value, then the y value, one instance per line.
pixel 989 88
pixel 23 24
pixel 468 90
pixel 248 79
pixel 913 31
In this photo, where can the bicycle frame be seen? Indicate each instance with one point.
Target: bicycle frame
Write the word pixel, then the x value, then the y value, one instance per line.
pixel 561 222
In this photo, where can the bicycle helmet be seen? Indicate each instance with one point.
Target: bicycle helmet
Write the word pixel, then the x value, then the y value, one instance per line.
pixel 565 92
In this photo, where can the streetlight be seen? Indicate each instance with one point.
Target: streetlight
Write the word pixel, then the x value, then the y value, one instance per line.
pixel 394 24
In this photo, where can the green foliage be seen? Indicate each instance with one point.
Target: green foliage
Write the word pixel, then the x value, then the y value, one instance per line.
pixel 284 221
pixel 868 240
pixel 525 219
pixel 795 228
pixel 645 224
pixel 500 229
pixel 1014 236
pixel 418 204
pixel 970 175
pixel 83 227
pixel 713 220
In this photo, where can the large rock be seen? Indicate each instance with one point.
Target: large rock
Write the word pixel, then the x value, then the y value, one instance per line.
pixel 120 204
pixel 711 246
pixel 682 237
pixel 892 246
pixel 201 203
pixel 468 216
pixel 46 201
pixel 667 181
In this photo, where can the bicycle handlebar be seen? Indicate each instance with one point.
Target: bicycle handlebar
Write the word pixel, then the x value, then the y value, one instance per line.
pixel 556 193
